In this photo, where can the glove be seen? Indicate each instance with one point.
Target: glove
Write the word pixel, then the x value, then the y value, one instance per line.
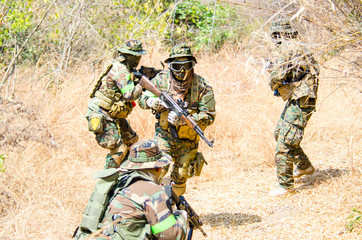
pixel 174 119
pixel 156 104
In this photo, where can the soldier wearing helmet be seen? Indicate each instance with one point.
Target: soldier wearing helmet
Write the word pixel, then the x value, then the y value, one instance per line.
pixel 112 101
pixel 294 78
pixel 136 205
pixel 194 94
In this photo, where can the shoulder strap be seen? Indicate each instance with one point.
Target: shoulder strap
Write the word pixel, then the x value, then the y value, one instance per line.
pixel 194 91
pixel 99 82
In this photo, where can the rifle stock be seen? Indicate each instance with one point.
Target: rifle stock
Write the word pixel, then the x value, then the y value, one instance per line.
pixel 172 105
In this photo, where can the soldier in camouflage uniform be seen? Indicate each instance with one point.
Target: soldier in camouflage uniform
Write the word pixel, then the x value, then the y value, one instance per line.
pixel 138 207
pixel 294 77
pixel 180 82
pixel 112 101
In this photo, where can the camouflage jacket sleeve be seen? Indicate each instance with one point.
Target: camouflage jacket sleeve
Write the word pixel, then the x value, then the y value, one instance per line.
pixel 206 101
pixel 123 81
pixel 164 223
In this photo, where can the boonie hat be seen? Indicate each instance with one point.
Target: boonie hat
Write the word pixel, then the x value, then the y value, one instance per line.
pixel 180 50
pixel 146 154
pixel 133 47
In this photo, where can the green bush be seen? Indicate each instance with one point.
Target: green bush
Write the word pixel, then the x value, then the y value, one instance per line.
pixel 206 26
pixel 73 30
pixel 16 25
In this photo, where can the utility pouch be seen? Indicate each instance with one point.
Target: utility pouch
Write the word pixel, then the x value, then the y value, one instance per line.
pixel 195 166
pixel 199 163
pixel 307 102
pixel 105 102
pixel 286 91
pixel 120 109
pixel 163 120
pixel 95 122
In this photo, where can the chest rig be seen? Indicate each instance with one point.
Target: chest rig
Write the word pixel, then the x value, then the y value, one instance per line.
pixel 111 100
pixel 184 131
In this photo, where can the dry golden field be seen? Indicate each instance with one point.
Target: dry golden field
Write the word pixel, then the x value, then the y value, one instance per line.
pixel 51 157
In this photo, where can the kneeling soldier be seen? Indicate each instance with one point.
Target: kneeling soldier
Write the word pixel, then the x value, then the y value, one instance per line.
pixel 129 202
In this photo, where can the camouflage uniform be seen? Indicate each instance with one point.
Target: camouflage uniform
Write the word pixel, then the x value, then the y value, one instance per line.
pixel 201 106
pixel 112 101
pixel 140 208
pixel 294 77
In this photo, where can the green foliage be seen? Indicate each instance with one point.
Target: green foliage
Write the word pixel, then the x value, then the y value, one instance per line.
pixel 16 25
pixel 2 159
pixel 204 25
pixel 207 26
pixel 137 19
pixel 74 29
pixel 355 221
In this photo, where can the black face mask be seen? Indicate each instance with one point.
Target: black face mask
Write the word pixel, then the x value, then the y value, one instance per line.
pixel 132 60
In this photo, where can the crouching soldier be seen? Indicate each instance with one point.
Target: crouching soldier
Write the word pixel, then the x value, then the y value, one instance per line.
pixel 112 101
pixel 129 202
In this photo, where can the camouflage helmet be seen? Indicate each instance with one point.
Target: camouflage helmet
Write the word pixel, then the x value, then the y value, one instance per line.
pixel 133 47
pixel 146 155
pixel 282 26
pixel 180 50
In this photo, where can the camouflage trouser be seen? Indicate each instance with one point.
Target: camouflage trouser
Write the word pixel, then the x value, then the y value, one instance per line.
pixel 288 134
pixel 183 153
pixel 114 134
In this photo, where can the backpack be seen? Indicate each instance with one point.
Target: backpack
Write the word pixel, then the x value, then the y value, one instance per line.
pixel 110 182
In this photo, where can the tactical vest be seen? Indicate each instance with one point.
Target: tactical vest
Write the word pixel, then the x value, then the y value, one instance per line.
pixel 184 131
pixel 97 210
pixel 111 100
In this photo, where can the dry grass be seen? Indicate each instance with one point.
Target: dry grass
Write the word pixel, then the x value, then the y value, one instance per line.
pixel 44 189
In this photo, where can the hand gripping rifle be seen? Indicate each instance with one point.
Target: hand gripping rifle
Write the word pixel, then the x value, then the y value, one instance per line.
pixel 193 218
pixel 172 105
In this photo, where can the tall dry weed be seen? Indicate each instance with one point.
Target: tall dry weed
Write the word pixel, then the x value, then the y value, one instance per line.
pixel 46 184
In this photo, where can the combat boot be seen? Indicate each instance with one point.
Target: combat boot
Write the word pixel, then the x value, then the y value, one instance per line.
pixel 297 173
pixel 279 191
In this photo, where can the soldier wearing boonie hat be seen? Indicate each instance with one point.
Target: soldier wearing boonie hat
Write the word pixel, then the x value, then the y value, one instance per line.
pixel 112 100
pixel 146 155
pixel 293 77
pixel 197 95
pixel 139 206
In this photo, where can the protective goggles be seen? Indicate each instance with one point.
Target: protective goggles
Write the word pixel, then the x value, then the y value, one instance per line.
pixel 177 66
